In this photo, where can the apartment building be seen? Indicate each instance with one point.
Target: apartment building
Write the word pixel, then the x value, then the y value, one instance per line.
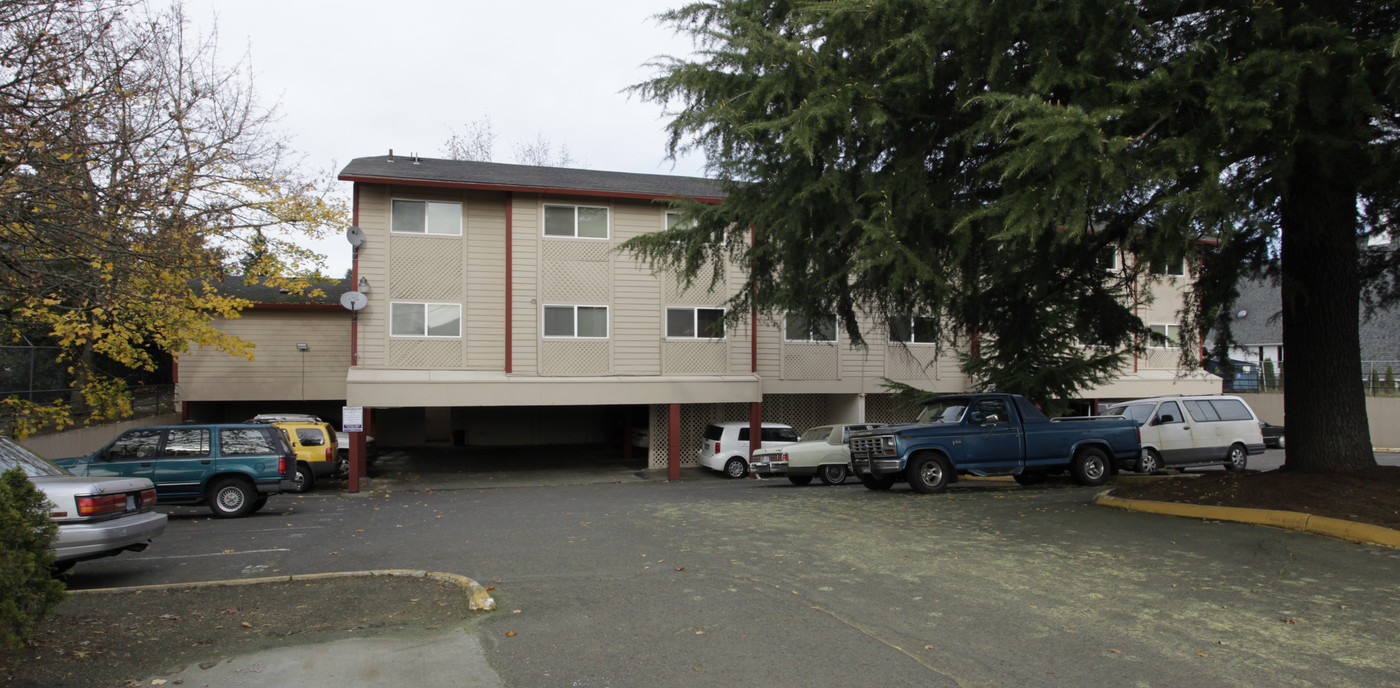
pixel 500 312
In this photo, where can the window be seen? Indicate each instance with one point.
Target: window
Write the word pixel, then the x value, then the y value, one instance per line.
pixel 1108 258
pixel 585 322
pixel 581 221
pixel 1201 411
pixel 798 329
pixel 246 441
pixel 916 330
pixel 1169 413
pixel 675 220
pixel 1170 333
pixel 137 444
pixel 426 217
pixel 1175 266
pixel 695 323
pixel 425 319
pixel 187 442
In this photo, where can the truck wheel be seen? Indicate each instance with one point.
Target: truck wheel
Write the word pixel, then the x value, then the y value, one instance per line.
pixel 305 477
pixel 736 468
pixel 1029 478
pixel 1237 459
pixel 1090 467
pixel 1149 462
pixel 800 479
pixel 231 498
pixel 832 474
pixel 929 474
pixel 873 483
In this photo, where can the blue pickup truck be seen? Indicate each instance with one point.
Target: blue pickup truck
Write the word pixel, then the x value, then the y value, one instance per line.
pixel 991 434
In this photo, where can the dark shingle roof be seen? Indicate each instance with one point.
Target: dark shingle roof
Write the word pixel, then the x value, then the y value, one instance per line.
pixel 408 170
pixel 1262 325
pixel 264 295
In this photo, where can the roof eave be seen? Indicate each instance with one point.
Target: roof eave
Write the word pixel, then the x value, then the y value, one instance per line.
pixel 483 186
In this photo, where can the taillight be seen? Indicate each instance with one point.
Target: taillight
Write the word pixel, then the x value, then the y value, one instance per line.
pixel 282 465
pixel 716 447
pixel 101 504
pixel 148 497
pixel 329 457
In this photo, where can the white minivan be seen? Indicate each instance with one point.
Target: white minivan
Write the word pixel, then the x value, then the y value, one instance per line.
pixel 1193 431
pixel 726 446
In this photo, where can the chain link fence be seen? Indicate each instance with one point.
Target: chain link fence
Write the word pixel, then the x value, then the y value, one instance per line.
pixel 1378 377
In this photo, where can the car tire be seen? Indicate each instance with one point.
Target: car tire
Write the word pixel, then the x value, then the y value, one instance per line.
pixel 736 468
pixel 929 474
pixel 873 483
pixel 1237 459
pixel 259 503
pixel 1279 442
pixel 1149 462
pixel 800 479
pixel 1029 478
pixel 832 474
pixel 1090 467
pixel 231 498
pixel 305 478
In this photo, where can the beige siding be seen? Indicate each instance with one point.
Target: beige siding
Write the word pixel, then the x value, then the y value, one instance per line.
pixel 483 314
pixel 525 273
pixel 278 371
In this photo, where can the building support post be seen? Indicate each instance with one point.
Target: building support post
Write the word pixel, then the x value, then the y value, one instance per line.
pixel 673 442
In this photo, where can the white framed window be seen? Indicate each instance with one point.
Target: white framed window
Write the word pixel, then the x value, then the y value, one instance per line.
pixel 1109 258
pixel 579 322
pixel 695 323
pixel 915 330
pixel 797 328
pixel 425 319
pixel 1171 333
pixel 1175 267
pixel 578 221
pixel 425 217
pixel 675 219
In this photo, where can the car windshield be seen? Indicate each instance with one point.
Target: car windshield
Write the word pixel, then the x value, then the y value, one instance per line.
pixel 1140 413
pixel 13 454
pixel 817 434
pixel 943 410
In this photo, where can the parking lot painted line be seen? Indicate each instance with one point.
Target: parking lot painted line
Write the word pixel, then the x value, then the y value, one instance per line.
pixel 477 596
pixel 222 554
pixel 280 530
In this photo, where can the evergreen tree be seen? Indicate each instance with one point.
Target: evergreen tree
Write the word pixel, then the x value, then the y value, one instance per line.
pixel 969 161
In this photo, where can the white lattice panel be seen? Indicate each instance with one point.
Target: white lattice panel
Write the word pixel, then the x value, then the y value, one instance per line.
pixel 699 293
pixel 1160 359
pixel 880 408
pixel 696 358
pixel 801 411
pixel 579 250
pixel 426 354
pixel 425 269
pixel 571 282
pixel 575 357
pixel 811 361
pixel 910 363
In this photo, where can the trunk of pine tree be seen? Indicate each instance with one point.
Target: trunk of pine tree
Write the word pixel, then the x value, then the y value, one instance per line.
pixel 1324 402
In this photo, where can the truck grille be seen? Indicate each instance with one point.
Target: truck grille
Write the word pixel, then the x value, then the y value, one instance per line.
pixel 865 446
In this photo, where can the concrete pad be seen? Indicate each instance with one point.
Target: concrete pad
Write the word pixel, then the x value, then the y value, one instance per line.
pixel 452 659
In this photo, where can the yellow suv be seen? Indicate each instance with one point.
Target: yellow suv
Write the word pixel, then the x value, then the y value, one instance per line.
pixel 315 443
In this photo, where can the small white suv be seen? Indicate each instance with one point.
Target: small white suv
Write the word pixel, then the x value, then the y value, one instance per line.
pixel 726 446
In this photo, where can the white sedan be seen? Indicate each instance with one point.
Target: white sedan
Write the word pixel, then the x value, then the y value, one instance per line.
pixel 821 452
pixel 97 517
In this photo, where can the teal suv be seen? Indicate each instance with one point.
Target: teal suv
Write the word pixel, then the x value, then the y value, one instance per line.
pixel 232 469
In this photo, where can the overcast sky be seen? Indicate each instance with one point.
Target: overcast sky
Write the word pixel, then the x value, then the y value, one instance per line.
pixel 354 78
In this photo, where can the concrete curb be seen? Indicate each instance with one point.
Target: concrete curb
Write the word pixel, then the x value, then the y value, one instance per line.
pixel 477 596
pixel 1363 533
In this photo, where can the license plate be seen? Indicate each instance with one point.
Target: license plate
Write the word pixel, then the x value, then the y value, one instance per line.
pixel 131 502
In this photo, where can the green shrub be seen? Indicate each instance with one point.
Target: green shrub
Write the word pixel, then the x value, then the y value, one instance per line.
pixel 26 559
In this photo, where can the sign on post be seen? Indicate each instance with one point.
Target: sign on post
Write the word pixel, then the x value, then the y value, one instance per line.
pixel 352 418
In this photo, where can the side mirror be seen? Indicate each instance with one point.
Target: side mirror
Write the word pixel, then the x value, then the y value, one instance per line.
pixel 994 418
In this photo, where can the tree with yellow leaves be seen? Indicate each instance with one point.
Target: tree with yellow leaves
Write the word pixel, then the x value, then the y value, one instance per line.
pixel 135 170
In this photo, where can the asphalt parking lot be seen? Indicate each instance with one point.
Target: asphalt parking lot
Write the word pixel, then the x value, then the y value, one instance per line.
pixel 624 579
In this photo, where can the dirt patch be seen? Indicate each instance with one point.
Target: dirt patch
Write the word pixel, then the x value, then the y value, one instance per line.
pixel 1370 496
pixel 123 638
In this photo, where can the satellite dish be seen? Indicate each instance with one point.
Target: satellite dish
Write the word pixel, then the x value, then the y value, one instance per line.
pixel 355 236
pixel 353 300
